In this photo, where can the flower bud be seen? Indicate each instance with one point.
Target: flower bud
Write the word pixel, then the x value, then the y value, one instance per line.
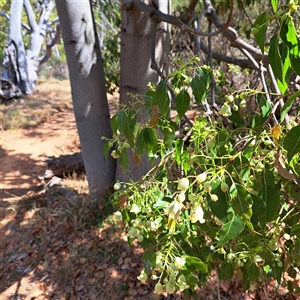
pixel 183 184
pixel 201 178
pixel 170 289
pixel 158 289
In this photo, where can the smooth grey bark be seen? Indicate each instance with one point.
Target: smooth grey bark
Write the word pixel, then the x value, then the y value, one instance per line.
pixel 15 47
pixel 88 91
pixel 137 32
pixel 20 67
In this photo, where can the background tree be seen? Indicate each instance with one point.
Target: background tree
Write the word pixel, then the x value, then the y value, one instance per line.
pixel 20 67
pixel 88 91
pixel 144 50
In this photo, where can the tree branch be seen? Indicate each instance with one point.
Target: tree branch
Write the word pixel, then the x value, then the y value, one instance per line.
pixel 50 45
pixel 231 34
pixel 5 15
pixel 189 12
pixel 157 16
pixel 243 63
pixel 30 16
pixel 233 37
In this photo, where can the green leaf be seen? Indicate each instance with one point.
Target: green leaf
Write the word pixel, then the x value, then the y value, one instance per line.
pixel 124 160
pixel 267 177
pixel 169 135
pixel 199 90
pixel 220 207
pixel 274 57
pixel 288 104
pixel 225 271
pixel 289 36
pixel 149 258
pixel 261 23
pixel 194 264
pixel 292 142
pixel 114 124
pixel 230 230
pixel 286 64
pixel 106 149
pixel 131 117
pixel 190 278
pixel 265 106
pixel 162 97
pixel 274 5
pixel 241 201
pixel 271 198
pixel 121 120
pixel 151 98
pixel 147 140
pixel 295 62
pixel 253 272
pixel 241 166
pixel 258 218
pixel 182 103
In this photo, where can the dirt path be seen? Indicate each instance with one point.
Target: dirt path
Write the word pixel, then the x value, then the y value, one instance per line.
pixel 23 152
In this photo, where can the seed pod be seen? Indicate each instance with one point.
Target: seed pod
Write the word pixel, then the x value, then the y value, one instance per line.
pixel 117 186
pixel 214 197
pixel 207 187
pixel 224 187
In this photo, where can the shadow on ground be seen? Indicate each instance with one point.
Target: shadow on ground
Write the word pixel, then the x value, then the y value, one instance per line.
pixel 54 247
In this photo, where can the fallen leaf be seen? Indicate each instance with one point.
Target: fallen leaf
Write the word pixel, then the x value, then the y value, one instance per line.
pixel 276 130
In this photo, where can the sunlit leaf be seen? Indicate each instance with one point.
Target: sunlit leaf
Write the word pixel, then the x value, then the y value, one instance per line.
pixel 288 104
pixel 289 36
pixel 261 23
pixel 292 142
pixel 230 230
pixel 274 5
pixel 194 264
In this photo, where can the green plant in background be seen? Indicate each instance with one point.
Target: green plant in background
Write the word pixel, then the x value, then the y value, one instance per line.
pixel 109 16
pixel 222 198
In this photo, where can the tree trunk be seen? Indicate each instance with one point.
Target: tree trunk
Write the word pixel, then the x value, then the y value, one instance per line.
pixel 15 60
pixel 88 91
pixel 137 33
pixel 20 68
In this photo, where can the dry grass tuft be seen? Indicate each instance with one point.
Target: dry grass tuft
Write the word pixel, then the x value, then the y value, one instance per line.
pixel 50 97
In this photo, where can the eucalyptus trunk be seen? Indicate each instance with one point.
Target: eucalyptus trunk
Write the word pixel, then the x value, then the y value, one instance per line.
pixel 138 37
pixel 88 91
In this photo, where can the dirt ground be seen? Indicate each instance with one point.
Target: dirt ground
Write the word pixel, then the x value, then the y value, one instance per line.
pixel 51 245
pixel 23 152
